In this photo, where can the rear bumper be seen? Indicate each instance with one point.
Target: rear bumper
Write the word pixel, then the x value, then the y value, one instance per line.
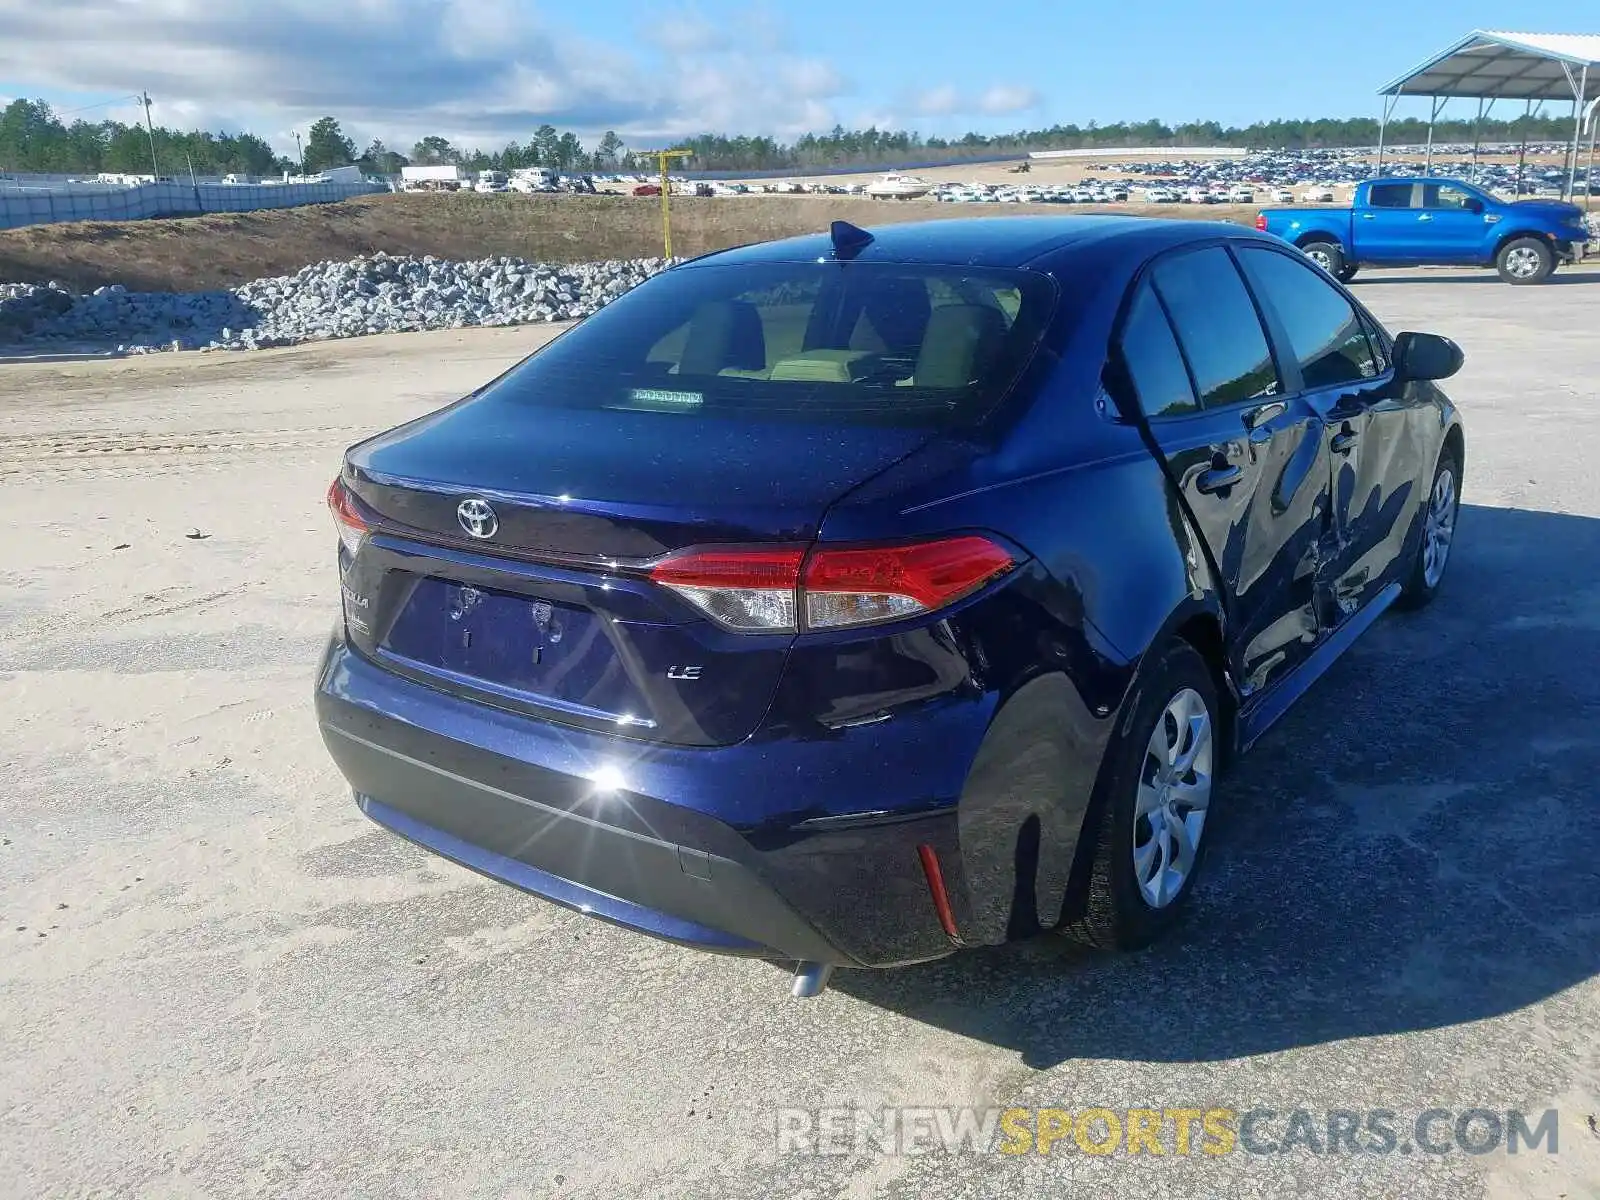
pixel 842 890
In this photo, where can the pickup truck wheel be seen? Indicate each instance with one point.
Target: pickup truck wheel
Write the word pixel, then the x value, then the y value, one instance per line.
pixel 1525 260
pixel 1326 255
pixel 1348 272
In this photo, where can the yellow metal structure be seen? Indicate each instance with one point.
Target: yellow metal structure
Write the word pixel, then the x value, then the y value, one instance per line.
pixel 665 157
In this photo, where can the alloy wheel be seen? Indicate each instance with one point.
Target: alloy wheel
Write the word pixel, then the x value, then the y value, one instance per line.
pixel 1439 527
pixel 1174 795
pixel 1523 262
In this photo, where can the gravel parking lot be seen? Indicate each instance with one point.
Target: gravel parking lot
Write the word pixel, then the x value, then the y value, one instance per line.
pixel 218 979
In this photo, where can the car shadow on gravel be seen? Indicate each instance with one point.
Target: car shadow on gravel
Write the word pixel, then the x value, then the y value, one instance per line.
pixel 1413 847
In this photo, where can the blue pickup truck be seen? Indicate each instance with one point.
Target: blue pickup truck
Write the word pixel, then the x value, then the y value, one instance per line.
pixel 1427 221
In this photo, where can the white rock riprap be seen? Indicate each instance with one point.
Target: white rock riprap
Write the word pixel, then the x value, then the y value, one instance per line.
pixel 381 294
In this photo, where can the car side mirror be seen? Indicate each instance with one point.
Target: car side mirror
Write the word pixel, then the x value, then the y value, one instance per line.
pixel 1475 206
pixel 1425 356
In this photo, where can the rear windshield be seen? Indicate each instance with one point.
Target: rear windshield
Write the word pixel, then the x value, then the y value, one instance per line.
pixel 829 341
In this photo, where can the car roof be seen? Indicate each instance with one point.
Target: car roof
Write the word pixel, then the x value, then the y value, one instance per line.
pixel 988 241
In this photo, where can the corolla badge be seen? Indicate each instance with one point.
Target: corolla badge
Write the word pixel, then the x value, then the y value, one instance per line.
pixel 477 518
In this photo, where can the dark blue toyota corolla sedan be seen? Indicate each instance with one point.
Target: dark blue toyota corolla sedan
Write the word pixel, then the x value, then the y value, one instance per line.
pixel 855 598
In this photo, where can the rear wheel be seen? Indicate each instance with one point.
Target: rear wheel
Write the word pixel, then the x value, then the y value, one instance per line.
pixel 1326 255
pixel 1525 260
pixel 1153 797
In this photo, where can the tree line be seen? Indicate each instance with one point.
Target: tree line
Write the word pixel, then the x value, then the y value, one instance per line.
pixel 34 139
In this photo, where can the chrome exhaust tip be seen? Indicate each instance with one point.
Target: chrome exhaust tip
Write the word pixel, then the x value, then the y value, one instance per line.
pixel 811 979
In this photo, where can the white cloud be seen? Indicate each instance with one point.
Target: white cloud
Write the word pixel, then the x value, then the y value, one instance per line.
pixel 685 32
pixel 939 101
pixel 1003 98
pixel 476 71
pixel 946 100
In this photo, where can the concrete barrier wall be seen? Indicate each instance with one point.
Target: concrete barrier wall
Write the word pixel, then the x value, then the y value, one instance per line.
pixel 106 202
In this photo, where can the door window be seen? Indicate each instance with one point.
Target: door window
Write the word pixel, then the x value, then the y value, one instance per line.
pixel 1154 363
pixel 1449 196
pixel 1218 327
pixel 1389 195
pixel 1325 334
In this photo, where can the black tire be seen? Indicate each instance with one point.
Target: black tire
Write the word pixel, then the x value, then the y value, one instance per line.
pixel 1327 255
pixel 1348 272
pixel 1525 260
pixel 1116 914
pixel 1419 590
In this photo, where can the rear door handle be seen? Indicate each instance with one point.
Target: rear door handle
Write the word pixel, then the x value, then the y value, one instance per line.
pixel 1344 441
pixel 1218 478
pixel 1256 421
pixel 1424 217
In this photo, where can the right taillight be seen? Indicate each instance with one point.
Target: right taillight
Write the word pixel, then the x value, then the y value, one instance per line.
pixel 350 523
pixel 785 589
pixel 866 585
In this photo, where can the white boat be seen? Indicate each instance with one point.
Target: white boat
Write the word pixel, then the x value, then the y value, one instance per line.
pixel 894 186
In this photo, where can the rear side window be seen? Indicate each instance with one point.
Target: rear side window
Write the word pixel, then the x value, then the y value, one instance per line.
pixel 1324 332
pixel 1217 327
pixel 830 341
pixel 1154 363
pixel 1389 195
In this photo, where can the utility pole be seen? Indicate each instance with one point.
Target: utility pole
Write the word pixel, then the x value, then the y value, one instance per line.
pixel 665 156
pixel 149 126
pixel 299 152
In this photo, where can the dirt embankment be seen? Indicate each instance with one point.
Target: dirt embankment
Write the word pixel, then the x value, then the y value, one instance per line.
pixel 200 253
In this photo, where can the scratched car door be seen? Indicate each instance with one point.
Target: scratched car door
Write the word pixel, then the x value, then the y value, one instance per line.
pixel 1373 454
pixel 1248 458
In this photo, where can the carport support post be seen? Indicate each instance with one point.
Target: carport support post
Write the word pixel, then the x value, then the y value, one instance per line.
pixel 1477 137
pixel 1578 97
pixel 1588 176
pixel 1383 124
pixel 1522 146
pixel 1433 115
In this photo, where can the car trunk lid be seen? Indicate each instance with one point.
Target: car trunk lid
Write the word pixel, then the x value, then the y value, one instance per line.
pixel 537 599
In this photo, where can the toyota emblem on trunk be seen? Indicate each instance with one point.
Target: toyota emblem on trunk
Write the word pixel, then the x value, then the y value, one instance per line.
pixel 477 518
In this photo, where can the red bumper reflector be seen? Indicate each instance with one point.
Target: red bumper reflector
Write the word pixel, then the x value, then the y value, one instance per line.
pixel 941 898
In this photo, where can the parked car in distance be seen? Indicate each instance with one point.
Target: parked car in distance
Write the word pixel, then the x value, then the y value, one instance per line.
pixel 1426 221
pixel 859 597
pixel 1282 196
pixel 1318 195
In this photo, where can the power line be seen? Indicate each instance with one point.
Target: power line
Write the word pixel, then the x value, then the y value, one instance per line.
pixel 67 112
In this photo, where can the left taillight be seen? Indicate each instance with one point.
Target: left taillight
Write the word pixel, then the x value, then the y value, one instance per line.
pixel 787 589
pixel 748 588
pixel 351 525
pixel 1261 222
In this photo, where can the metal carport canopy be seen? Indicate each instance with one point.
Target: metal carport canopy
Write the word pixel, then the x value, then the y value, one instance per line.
pixel 1488 65
pixel 1509 66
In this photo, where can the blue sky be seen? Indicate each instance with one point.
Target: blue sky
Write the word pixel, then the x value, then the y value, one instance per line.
pixel 484 71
